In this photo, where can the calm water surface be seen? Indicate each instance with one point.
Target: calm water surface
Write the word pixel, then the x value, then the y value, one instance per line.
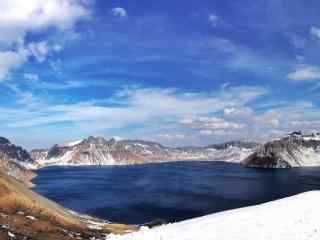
pixel 169 191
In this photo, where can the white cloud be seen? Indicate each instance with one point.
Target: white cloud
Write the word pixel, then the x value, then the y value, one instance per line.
pixel 213 19
pixel 239 111
pixel 31 77
pixel 269 119
pixel 39 50
pixel 119 12
pixel 168 136
pixel 56 65
pixel 134 106
pixel 18 17
pixel 10 60
pixel 315 31
pixel 57 47
pixel 305 73
pixel 166 115
pixel 211 125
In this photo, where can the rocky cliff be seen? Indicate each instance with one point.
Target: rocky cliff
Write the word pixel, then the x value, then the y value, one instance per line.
pixel 294 150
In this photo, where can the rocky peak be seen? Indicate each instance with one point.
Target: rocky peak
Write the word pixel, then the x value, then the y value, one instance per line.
pixel 56 150
pixel 95 140
pixel 14 152
pixel 112 141
pixel 4 141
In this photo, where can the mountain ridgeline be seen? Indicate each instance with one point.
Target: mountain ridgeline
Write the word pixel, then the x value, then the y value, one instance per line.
pixel 99 151
pixel 293 150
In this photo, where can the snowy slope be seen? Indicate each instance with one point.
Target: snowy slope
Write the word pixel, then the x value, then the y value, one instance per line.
pixel 294 218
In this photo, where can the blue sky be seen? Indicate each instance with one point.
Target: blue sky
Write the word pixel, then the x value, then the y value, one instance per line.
pixel 176 72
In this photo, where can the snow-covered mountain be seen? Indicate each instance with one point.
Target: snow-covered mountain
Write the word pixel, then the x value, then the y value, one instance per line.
pixel 15 161
pixel 294 150
pixel 99 151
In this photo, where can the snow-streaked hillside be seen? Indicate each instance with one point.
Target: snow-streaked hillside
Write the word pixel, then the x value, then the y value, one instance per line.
pixel 99 151
pixel 293 218
pixel 294 150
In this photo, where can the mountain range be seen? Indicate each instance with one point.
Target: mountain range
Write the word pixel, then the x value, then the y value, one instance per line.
pixel 99 151
pixel 294 150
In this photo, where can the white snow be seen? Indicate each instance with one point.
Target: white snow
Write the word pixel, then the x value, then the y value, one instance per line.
pixel 314 138
pixel 303 156
pixel 71 144
pixel 31 218
pixel 11 235
pixel 293 218
pixel 30 166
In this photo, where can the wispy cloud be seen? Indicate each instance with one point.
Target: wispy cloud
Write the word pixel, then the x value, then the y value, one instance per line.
pixel 134 105
pixel 35 82
pixel 305 73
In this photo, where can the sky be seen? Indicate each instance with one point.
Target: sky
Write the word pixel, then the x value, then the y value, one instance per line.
pixel 176 72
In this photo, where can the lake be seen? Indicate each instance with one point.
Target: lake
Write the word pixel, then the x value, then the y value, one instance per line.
pixel 168 191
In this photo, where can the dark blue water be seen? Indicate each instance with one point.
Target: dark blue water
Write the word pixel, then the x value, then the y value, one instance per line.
pixel 169 191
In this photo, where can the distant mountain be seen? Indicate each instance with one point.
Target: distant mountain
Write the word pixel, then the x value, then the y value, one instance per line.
pixel 99 151
pixel 294 150
pixel 239 144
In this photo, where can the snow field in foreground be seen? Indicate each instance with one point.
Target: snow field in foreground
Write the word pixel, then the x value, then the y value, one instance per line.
pixel 293 218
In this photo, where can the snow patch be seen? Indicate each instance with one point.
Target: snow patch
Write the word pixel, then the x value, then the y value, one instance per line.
pixel 71 144
pixel 293 218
